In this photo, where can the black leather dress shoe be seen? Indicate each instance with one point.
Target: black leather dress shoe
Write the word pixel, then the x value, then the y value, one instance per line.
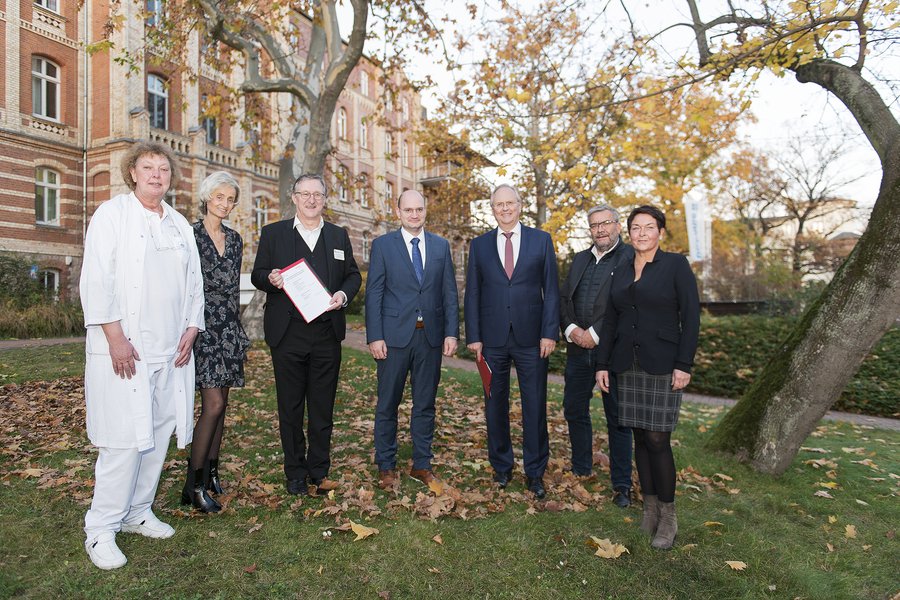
pixel 536 487
pixel 622 497
pixel 502 479
pixel 297 487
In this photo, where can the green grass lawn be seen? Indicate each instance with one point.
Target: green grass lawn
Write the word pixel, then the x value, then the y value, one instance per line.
pixel 795 543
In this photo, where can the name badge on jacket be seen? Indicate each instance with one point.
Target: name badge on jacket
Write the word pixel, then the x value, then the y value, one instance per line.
pixel 338 254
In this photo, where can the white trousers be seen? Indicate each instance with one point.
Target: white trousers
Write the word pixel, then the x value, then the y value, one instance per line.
pixel 125 480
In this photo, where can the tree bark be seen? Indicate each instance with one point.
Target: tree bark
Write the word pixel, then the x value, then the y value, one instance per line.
pixel 812 368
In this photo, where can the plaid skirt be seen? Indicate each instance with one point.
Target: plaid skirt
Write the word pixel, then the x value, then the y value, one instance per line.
pixel 647 401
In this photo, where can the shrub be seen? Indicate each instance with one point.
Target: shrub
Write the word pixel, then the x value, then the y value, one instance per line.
pixel 50 319
pixel 17 287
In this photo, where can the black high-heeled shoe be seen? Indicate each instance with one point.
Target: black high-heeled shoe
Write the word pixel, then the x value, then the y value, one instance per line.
pixel 194 493
pixel 213 484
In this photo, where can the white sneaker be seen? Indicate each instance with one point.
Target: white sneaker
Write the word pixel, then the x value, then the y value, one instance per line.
pixel 103 551
pixel 150 527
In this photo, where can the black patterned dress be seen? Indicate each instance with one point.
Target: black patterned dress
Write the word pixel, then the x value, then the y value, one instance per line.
pixel 219 352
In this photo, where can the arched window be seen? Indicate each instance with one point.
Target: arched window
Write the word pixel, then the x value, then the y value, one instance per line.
pixel 45 88
pixel 157 101
pixel 364 83
pixel 363 133
pixel 342 124
pixel 46 196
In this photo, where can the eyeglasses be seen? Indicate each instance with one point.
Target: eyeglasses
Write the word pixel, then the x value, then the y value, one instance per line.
pixel 317 196
pixel 606 223
pixel 637 229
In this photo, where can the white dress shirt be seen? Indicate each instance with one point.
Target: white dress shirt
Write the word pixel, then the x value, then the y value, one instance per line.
pixel 408 237
pixel 597 256
pixel 310 236
pixel 516 244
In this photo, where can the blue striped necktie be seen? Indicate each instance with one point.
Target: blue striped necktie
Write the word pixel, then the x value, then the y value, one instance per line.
pixel 417 260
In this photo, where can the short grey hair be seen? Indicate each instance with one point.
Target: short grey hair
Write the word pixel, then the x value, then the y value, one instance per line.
pixel 215 180
pixel 601 208
pixel 508 187
pixel 314 176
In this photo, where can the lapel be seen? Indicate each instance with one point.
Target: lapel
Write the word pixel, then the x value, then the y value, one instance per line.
pixel 404 256
pixel 523 249
pixel 328 245
pixel 431 250
pixel 494 237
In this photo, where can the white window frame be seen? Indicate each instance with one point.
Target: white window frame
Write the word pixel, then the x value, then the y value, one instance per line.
pixel 389 145
pixel 51 5
pixel 364 190
pixel 363 133
pixel 365 246
pixel 154 9
pixel 364 83
pixel 405 157
pixel 156 86
pixel 48 277
pixel 210 125
pixel 404 108
pixel 343 192
pixel 388 192
pixel 41 84
pixel 42 181
pixel 342 124
pixel 260 214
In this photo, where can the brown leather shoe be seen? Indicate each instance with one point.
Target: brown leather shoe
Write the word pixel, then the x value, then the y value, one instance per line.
pixel 426 476
pixel 387 479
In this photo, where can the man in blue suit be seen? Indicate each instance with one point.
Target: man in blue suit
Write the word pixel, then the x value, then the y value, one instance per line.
pixel 512 316
pixel 412 315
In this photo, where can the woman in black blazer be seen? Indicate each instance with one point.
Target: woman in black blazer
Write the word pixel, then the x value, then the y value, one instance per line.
pixel 649 339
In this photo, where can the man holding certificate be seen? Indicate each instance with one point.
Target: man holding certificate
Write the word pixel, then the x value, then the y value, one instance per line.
pixel 412 316
pixel 306 267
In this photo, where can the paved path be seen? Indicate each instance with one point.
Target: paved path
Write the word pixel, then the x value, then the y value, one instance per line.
pixel 357 339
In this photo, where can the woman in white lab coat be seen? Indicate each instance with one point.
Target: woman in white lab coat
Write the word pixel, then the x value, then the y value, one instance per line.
pixel 142 296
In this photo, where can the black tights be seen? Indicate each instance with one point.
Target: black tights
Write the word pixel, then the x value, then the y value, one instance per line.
pixel 208 431
pixel 655 463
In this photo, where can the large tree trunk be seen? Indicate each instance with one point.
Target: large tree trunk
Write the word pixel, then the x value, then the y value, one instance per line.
pixel 812 368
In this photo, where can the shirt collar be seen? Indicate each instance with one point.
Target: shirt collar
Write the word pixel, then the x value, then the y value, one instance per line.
pixel 598 255
pixel 407 236
pixel 517 230
pixel 299 226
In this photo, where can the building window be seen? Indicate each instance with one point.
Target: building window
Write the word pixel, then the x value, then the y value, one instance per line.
pixel 363 133
pixel 46 196
pixel 364 190
pixel 48 4
pixel 389 192
pixel 404 109
pixel 364 83
pixel 44 88
pixel 157 102
pixel 389 146
pixel 209 124
pixel 343 178
pixel 260 215
pixel 154 12
pixel 342 124
pixel 405 156
pixel 365 245
pixel 50 280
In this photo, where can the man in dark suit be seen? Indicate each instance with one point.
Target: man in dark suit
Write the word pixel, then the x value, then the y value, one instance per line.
pixel 512 316
pixel 583 300
pixel 412 314
pixel 306 356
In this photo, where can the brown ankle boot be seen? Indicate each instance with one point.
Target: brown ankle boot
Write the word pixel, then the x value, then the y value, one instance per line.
pixel 667 528
pixel 650 518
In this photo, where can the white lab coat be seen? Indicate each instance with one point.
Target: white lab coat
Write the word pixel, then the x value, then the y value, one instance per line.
pixel 119 411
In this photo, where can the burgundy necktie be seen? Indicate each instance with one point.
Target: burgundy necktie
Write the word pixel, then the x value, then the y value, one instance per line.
pixel 508 255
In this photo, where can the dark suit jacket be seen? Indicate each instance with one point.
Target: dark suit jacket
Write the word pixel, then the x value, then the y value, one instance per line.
pixel 276 251
pixel 394 298
pixel 658 318
pixel 528 303
pixel 619 255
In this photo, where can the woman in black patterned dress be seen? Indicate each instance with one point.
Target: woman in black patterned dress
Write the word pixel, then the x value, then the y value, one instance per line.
pixel 219 351
pixel 648 339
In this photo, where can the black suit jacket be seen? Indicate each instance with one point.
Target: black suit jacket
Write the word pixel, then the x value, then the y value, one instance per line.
pixel 620 254
pixel 276 251
pixel 657 318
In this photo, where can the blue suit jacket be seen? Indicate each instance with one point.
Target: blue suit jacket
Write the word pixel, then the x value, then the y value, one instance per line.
pixel 528 303
pixel 394 298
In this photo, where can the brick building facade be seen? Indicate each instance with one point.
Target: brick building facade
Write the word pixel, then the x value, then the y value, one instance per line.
pixel 68 116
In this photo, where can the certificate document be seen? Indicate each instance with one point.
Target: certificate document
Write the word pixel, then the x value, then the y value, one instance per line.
pixel 305 289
